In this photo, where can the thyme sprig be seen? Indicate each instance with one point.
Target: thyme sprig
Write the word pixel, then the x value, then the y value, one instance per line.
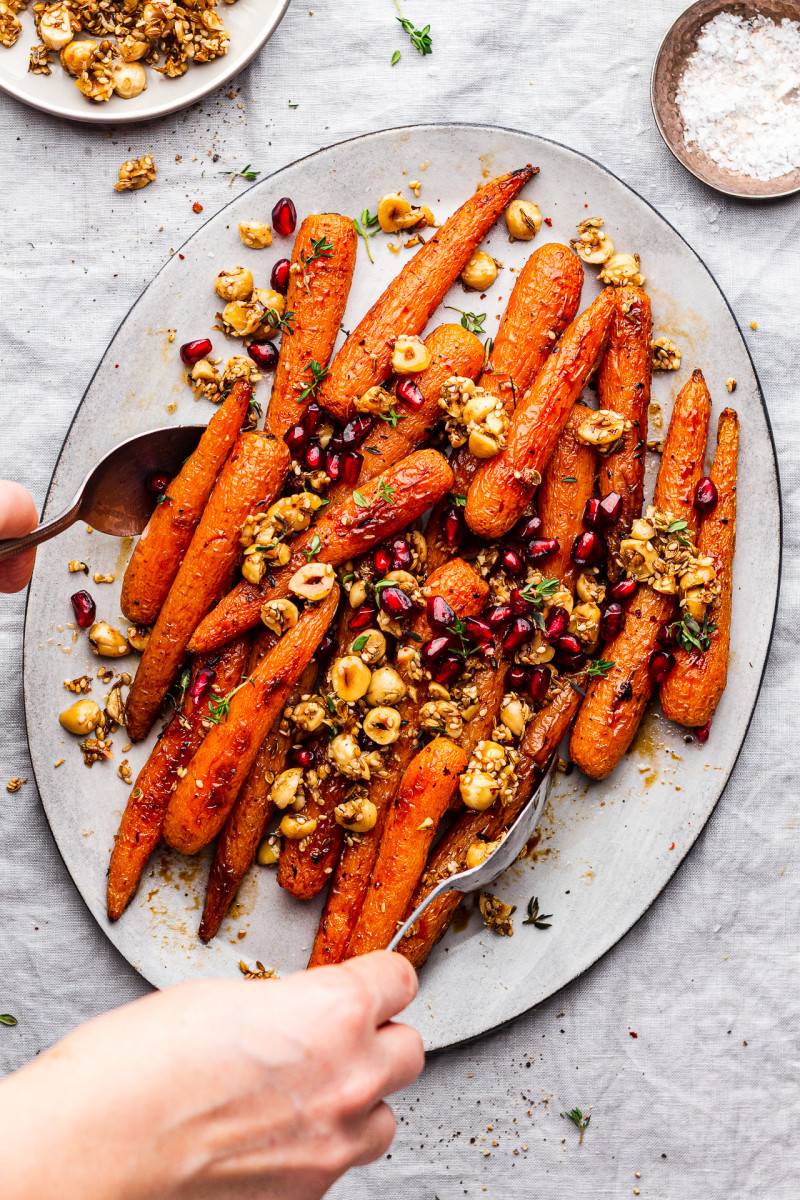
pixel 7 1019
pixel 678 527
pixel 386 492
pixel 276 320
pixel 580 1120
pixel 314 547
pixel 321 248
pixel 472 322
pixel 363 226
pixel 690 634
pixel 392 417
pixel 534 917
pixel 247 173
pixel 318 373
pixel 218 710
pixel 420 38
pixel 599 666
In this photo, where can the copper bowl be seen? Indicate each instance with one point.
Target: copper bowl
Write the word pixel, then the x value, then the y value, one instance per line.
pixel 678 45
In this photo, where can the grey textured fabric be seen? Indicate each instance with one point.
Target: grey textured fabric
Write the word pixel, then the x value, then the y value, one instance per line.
pixel 681 1042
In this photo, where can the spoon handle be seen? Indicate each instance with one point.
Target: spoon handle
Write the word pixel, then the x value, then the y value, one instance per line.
pixel 42 533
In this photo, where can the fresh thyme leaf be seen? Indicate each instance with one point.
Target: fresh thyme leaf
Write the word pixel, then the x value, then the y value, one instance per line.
pixel 360 500
pixel 385 492
pixel 7 1019
pixel 488 346
pixel 580 1120
pixel 534 917
pixel 395 58
pixel 218 710
pixel 293 105
pixel 690 634
pixel 362 228
pixel 331 703
pixel 317 373
pixel 373 450
pixel 677 526
pixel 321 248
pixel 245 174
pixel 392 416
pixel 537 593
pixel 162 499
pixel 575 687
pixel 314 548
pixel 360 643
pixel 276 320
pixel 420 38
pixel 456 501
pixel 568 479
pixel 600 666
pixel 473 322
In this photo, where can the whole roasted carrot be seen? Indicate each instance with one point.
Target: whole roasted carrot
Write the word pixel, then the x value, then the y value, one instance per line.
pixel 250 479
pixel 623 383
pixel 159 551
pixel 412 297
pixel 693 689
pixel 143 819
pixel 540 741
pixel 567 483
pixel 504 485
pixel 454 351
pixel 421 802
pixel 239 840
pixel 615 703
pixel 323 261
pixel 206 794
pixel 385 505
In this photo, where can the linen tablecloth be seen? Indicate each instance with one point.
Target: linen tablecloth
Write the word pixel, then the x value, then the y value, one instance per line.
pixel 682 1041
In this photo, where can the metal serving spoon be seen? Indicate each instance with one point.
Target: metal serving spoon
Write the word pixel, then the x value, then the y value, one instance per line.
pixel 497 862
pixel 116 497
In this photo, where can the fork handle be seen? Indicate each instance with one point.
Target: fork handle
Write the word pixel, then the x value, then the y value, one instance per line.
pixel 42 533
pixel 445 885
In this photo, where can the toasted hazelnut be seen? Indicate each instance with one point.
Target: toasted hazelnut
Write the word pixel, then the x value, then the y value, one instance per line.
pixel 588 588
pixel 313 582
pixel 697 576
pixel 107 642
pixel 375 400
pixel 297 825
pixel 76 56
pixel 82 717
pixel 129 79
pixel 622 270
pixel 133 46
pixel 523 220
pixel 309 714
pixel 115 705
pixel 483 445
pixel 234 285
pixel 591 245
pixel 55 26
pixel 255 234
pixel 694 603
pixel 479 852
pixel 359 815
pixel 286 786
pixel 385 687
pixel 269 851
pixel 478 407
pixel 602 428
pixel 480 271
pixel 279 616
pixel 358 594
pixel 479 790
pixel 584 623
pixel 139 636
pixel 350 678
pixel 514 714
pixel 371 646
pixel 410 354
pixel 396 213
pixel 344 750
pixel 382 725
pixel 268 307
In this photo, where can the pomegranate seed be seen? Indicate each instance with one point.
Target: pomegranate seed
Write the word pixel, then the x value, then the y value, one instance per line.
pixel 402 558
pixel 301 757
pixel 520 607
pixel 440 615
pixel 518 679
pixel 572 663
pixel 704 731
pixel 350 466
pixel 556 623
pixel 661 663
pixel 452 526
pixel 499 616
pixel 623 589
pixel 84 608
pixel 312 417
pixel 706 497
pixel 588 549
pixel 447 670
pixel 279 279
pixel 540 548
pixel 610 510
pixel 333 463
pixel 612 622
pixel 202 682
pixel 284 217
pixel 192 352
pixel 527 529
pixel 326 645
pixel 590 513
pixel 158 482
pixel 568 644
pixel 519 632
pixel 364 616
pixel 666 637
pixel 539 684
pixel 396 603
pixel 335 444
pixel 410 394
pixel 264 355
pixel 478 630
pixel 313 456
pixel 356 431
pixel 383 561
pixel 511 562
pixel 433 650
pixel 296 439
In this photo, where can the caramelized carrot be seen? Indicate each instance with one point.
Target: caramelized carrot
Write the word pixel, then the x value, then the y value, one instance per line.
pixel 159 551
pixel 250 479
pixel 422 800
pixel 412 297
pixel 567 483
pixel 504 485
pixel 623 383
pixel 385 505
pixel 317 295
pixel 615 703
pixel 691 692
pixel 206 794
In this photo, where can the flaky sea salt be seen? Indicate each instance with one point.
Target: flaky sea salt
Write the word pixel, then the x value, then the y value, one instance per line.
pixel 740 95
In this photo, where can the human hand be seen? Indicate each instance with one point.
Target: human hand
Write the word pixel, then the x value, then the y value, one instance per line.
pixel 17 516
pixel 227 1090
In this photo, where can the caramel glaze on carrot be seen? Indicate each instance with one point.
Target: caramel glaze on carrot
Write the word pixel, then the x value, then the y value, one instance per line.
pixel 206 794
pixel 159 551
pixel 386 505
pixel 615 703
pixel 504 485
pixel 567 483
pixel 466 593
pixel 539 742
pixel 317 296
pixel 623 384
pixel 454 351
pixel 143 819
pixel 413 296
pixel 250 479
pixel 693 689
pixel 421 801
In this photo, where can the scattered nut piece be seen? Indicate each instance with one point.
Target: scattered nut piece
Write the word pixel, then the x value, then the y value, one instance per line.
pixel 129 78
pixel 602 428
pixel 234 285
pixel 410 354
pixel 98 578
pixel 666 355
pixel 730 384
pixel 139 636
pixel 107 641
pixel 255 234
pixel 260 972
pixel 313 582
pixel 496 915
pixel 591 245
pixel 75 564
pixel 358 814
pixel 15 783
pixel 81 685
pixel 523 220
pixel 296 826
pixel 136 173
pixel 480 272
pixel 382 725
pixel 268 853
pixel 622 270
pixel 286 787
pixel 124 771
pixel 279 616
pixel 479 852
pixel 82 717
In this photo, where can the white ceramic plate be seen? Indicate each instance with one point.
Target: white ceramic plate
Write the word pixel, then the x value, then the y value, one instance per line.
pixel 250 23
pixel 607 849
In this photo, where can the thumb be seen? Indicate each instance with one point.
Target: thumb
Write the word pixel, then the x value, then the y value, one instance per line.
pixel 17 516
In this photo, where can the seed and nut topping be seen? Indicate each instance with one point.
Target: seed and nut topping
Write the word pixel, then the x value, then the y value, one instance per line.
pixel 496 915
pixel 591 245
pixel 666 355
pixel 473 416
pixel 136 173
pixel 602 429
pixel 622 270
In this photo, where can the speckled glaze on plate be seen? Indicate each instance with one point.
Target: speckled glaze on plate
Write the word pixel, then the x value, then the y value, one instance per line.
pixel 607 849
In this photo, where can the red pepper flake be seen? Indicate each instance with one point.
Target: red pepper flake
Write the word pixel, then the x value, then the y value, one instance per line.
pixel 633 1035
pixel 181 256
pixel 672 847
pixel 196 207
pixel 548 221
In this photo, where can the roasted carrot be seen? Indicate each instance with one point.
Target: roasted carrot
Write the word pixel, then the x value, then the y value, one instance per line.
pixel 693 689
pixel 421 802
pixel 454 351
pixel 250 479
pixel 539 742
pixel 159 551
pixel 385 505
pixel 206 794
pixel 412 297
pixel 615 703
pixel 239 840
pixel 567 483
pixel 323 261
pixel 504 485
pixel 623 384
pixel 142 821
pixel 466 593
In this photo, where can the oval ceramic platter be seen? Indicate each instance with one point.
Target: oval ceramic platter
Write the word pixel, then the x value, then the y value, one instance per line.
pixel 250 24
pixel 606 849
